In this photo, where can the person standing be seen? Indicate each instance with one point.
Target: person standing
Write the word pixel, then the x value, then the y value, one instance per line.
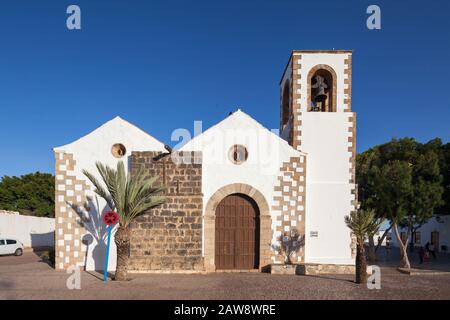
pixel 421 254
pixel 431 250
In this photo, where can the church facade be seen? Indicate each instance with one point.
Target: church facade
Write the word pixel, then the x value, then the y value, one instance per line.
pixel 234 190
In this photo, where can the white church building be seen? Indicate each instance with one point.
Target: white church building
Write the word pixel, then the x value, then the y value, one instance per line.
pixel 232 190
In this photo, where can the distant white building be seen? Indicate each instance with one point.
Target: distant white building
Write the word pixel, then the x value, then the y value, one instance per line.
pixel 33 232
pixel 435 231
pixel 250 187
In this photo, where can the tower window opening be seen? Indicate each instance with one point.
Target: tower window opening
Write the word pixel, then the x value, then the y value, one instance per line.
pixel 286 124
pixel 322 89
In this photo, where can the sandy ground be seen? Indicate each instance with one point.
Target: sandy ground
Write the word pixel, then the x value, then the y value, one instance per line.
pixel 27 277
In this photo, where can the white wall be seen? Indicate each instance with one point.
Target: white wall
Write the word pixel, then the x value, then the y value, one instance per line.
pixel 94 147
pixel 324 137
pixel 266 153
pixel 31 231
pixel 328 191
pixel 335 61
pixel 442 226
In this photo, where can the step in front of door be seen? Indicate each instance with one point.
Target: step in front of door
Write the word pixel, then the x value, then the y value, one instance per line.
pixel 237 270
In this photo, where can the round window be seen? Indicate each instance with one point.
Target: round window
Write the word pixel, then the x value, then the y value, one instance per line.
pixel 118 150
pixel 238 154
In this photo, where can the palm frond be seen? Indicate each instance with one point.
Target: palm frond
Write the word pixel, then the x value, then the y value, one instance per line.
pixel 100 190
pixel 362 223
pixel 129 195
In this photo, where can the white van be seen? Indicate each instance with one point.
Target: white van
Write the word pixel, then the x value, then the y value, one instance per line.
pixel 11 246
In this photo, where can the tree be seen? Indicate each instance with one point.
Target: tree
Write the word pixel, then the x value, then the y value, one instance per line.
pixel 30 194
pixel 361 223
pixel 366 171
pixel 401 180
pixel 427 186
pixel 444 165
pixel 130 196
pixel 394 191
pixel 372 249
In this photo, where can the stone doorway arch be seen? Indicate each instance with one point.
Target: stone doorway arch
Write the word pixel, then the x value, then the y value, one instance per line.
pixel 209 223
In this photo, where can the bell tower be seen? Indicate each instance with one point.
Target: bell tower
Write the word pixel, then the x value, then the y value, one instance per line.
pixel 316 118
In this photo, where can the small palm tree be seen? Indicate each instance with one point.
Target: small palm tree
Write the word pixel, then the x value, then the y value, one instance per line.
pixel 130 196
pixel 362 223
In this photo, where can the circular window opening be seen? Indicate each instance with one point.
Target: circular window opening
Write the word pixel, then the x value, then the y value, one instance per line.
pixel 238 154
pixel 118 150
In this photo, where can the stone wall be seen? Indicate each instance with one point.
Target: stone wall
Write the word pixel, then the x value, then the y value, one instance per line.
pixel 9 212
pixel 312 269
pixel 317 269
pixel 169 237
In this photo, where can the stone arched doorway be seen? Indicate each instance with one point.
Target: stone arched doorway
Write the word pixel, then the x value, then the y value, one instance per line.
pixel 237 233
pixel 262 250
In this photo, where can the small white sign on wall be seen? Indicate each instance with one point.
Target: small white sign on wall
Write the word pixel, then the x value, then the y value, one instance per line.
pixel 314 234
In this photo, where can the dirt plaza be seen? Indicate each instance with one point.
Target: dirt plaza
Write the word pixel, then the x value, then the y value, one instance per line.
pixel 28 277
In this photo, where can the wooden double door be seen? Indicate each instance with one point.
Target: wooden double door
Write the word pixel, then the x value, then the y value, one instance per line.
pixel 237 233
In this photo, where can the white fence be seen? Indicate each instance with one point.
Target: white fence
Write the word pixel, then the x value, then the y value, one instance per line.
pixel 31 231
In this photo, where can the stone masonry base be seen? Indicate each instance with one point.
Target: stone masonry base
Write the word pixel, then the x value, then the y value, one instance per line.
pixel 312 269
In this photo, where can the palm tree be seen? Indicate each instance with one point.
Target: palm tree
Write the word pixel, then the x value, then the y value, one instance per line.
pixel 362 223
pixel 130 196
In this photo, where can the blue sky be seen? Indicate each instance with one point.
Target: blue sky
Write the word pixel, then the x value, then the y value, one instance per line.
pixel 163 64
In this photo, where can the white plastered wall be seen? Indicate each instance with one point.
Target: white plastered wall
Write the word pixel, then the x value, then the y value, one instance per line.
pixel 335 61
pixel 266 153
pixel 328 191
pixel 324 137
pixel 33 232
pixel 96 146
pixel 442 225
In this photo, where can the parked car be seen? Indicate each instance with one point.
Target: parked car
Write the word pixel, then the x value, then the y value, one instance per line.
pixel 11 246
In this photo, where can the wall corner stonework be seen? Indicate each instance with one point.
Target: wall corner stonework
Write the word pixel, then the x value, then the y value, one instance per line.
pixel 296 104
pixel 70 201
pixel 348 84
pixel 290 202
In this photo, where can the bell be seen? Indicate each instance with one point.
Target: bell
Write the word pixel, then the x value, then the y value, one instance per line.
pixel 319 86
pixel 320 95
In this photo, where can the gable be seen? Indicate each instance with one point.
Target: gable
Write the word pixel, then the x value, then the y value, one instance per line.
pixel 115 131
pixel 239 128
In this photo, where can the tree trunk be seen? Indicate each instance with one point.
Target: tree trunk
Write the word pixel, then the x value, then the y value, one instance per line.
pixel 382 237
pixel 404 261
pixel 371 253
pixel 411 233
pixel 122 240
pixel 361 264
pixel 412 243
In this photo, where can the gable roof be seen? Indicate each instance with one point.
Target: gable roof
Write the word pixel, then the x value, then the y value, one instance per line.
pixel 237 119
pixel 114 125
